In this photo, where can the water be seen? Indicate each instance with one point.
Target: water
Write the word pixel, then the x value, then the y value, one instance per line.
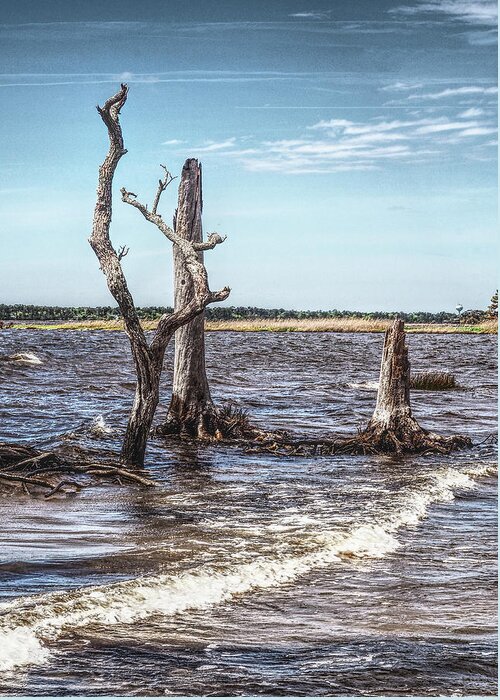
pixel 244 574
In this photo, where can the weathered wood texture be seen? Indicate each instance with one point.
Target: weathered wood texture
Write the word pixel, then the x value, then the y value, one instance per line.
pixel 392 410
pixel 192 411
pixel 392 427
pixel 148 358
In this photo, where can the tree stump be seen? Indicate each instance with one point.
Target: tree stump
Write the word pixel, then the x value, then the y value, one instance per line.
pixel 392 427
pixel 191 411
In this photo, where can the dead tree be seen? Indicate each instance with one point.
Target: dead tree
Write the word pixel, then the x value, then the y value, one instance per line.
pixel 148 357
pixel 392 427
pixel 191 411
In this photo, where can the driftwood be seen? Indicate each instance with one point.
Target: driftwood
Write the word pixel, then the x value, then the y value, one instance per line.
pixel 17 462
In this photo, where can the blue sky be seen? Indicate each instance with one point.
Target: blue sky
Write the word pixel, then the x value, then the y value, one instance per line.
pixel 348 148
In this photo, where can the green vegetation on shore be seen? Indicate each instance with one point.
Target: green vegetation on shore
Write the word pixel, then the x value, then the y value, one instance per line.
pixel 250 318
pixel 24 312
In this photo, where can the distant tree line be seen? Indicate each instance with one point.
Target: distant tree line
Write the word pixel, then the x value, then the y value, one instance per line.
pixel 28 312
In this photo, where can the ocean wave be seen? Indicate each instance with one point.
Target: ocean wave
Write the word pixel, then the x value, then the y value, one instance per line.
pixel 24 358
pixel 26 625
pixel 99 427
pixel 363 385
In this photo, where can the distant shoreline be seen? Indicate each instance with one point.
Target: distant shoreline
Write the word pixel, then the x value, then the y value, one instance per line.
pixel 284 325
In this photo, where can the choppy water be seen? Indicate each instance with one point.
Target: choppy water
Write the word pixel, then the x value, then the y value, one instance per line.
pixel 244 574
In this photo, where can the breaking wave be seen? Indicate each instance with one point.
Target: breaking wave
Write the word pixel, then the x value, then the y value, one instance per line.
pixel 363 385
pixel 26 625
pixel 25 358
pixel 99 427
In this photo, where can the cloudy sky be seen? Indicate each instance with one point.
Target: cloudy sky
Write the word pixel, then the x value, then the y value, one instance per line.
pixel 348 148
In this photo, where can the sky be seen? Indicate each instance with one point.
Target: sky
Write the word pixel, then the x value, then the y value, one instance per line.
pixel 349 148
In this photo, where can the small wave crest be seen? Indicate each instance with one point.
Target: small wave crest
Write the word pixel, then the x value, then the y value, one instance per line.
pixel 99 427
pixel 24 358
pixel 21 647
pixel 363 385
pixel 26 624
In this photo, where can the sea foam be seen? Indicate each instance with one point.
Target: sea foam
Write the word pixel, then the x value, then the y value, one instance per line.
pixel 26 358
pixel 27 624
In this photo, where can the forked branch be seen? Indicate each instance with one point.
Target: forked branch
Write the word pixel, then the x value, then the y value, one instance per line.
pixel 202 296
pixel 212 240
pixel 148 358
pixel 162 186
pixel 122 251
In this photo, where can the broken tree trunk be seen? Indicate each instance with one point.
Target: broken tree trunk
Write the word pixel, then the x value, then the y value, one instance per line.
pixel 148 357
pixel 191 412
pixel 392 427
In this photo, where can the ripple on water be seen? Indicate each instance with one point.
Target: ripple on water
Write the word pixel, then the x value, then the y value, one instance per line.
pixel 349 575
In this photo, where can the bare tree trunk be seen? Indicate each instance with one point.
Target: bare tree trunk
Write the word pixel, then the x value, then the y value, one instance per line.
pixel 141 416
pixel 192 411
pixel 148 358
pixel 392 411
pixel 392 427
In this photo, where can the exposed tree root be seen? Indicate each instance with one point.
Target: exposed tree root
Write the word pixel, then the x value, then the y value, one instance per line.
pixel 218 425
pixel 364 443
pixel 48 471
pixel 391 430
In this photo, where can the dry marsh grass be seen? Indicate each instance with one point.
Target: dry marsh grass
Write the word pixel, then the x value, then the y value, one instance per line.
pixel 284 325
pixel 433 381
pixel 290 325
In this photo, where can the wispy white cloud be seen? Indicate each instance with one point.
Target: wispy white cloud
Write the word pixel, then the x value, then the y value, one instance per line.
pixel 211 146
pixel 401 86
pixel 455 92
pixel 444 126
pixel 479 12
pixel 128 77
pixel 485 37
pixel 341 145
pixel 472 112
pixel 312 15
pixel 478 131
pixel 188 76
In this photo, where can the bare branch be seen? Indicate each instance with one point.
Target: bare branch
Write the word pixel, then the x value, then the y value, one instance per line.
pixel 169 323
pixel 123 251
pixel 194 266
pixel 109 259
pixel 162 186
pixel 202 296
pixel 212 240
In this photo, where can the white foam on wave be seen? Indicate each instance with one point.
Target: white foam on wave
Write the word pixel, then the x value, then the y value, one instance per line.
pixel 26 358
pixel 99 427
pixel 27 623
pixel 363 385
pixel 21 647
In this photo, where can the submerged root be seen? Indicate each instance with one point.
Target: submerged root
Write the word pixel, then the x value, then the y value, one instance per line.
pixel 365 442
pixel 235 428
pixel 48 471
pixel 229 423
